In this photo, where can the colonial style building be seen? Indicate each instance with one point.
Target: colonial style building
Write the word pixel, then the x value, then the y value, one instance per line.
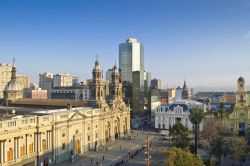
pixel 44 137
pixel 115 87
pixel 176 112
pixel 97 85
pixel 239 119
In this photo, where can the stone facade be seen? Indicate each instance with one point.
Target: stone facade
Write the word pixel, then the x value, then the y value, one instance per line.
pixel 55 136
pixel 239 120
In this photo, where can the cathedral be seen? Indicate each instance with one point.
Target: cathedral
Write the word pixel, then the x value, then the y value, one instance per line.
pixel 239 120
pixel 45 136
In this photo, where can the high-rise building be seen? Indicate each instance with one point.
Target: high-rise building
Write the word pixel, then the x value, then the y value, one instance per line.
pixel 147 80
pixel 5 76
pixel 63 80
pixel 131 58
pixel 109 75
pixel 137 94
pixel 156 83
pixel 46 82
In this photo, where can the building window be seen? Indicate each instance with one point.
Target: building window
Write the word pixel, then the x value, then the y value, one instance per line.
pixel 96 135
pixel 163 126
pixel 44 144
pixel 88 137
pixel 159 125
pixel 63 146
pixel 22 150
pixel 10 154
pixel 30 148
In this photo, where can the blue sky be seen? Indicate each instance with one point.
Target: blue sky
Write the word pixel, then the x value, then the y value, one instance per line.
pixel 206 42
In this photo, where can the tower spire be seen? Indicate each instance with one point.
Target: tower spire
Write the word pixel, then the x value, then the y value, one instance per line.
pixel 14 61
pixel 13 71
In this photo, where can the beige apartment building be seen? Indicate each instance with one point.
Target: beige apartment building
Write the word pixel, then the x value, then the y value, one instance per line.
pixel 23 81
pixel 63 80
pixel 5 76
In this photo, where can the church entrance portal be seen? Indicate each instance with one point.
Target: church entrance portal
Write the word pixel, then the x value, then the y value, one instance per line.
pixel 241 128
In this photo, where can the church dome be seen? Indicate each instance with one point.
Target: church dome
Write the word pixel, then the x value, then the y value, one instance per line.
pixel 241 79
pixel 13 85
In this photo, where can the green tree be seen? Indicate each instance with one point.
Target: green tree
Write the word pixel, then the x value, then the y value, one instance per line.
pixel 218 148
pixel 179 157
pixel 221 113
pixel 238 147
pixel 247 136
pixel 181 135
pixel 196 116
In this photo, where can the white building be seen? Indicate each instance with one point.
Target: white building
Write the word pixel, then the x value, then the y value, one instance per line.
pixel 178 111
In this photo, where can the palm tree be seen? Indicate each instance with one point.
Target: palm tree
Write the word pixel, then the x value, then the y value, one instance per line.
pixel 196 116
pixel 221 113
pixel 219 148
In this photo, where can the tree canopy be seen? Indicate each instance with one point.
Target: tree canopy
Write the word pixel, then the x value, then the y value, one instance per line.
pixel 179 157
pixel 181 135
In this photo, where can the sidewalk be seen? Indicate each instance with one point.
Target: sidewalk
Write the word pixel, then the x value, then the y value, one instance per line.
pixel 116 151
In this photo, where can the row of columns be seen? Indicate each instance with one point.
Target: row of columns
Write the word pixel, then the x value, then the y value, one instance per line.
pixel 16 147
pixel 2 150
pixel 36 145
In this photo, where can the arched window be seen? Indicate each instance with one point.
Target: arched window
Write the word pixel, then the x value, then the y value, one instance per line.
pixel 44 144
pixel 10 154
pixel 22 150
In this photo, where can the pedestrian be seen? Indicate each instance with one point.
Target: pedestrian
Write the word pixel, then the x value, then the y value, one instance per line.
pixel 91 160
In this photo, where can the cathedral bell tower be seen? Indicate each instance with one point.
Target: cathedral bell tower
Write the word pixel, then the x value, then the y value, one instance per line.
pixel 241 93
pixel 185 92
pixel 97 85
pixel 115 86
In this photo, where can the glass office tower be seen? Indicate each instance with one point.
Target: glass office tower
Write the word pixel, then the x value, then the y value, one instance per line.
pixel 131 58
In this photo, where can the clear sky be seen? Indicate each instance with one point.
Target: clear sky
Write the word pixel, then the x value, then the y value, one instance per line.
pixel 206 42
